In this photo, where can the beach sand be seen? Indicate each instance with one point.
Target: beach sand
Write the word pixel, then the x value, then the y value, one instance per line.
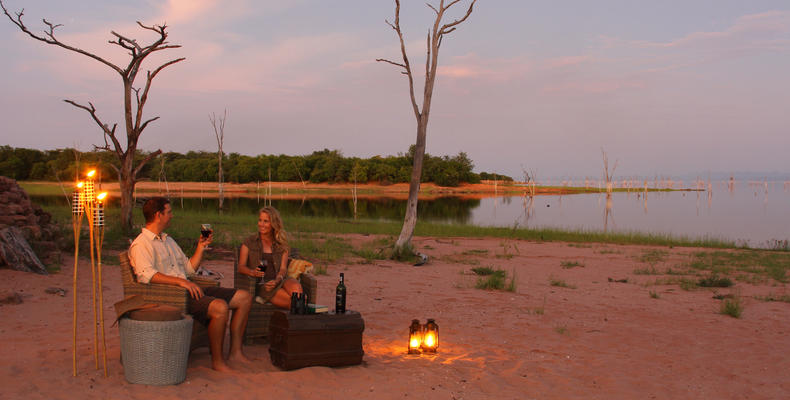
pixel 599 340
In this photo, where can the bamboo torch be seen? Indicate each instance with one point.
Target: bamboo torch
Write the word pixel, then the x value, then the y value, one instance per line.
pixel 98 227
pixel 90 198
pixel 77 210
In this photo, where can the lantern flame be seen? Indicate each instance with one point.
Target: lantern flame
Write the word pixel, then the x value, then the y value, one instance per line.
pixel 91 173
pixel 414 343
pixel 430 340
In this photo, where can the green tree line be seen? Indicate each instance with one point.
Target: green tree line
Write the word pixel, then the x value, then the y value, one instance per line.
pixel 201 166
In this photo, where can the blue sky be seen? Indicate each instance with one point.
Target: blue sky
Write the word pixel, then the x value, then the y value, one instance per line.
pixel 666 87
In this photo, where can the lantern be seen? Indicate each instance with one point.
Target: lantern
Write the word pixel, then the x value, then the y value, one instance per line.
pixel 98 210
pixel 77 207
pixel 415 337
pixel 430 341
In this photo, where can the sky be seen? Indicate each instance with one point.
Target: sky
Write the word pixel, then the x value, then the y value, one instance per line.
pixel 664 87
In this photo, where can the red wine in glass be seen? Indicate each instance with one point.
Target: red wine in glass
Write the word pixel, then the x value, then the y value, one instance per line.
pixel 205 230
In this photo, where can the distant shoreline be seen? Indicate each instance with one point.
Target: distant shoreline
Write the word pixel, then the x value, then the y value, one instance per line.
pixel 286 190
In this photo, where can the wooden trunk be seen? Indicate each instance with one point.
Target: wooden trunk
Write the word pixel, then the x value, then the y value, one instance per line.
pixel 327 339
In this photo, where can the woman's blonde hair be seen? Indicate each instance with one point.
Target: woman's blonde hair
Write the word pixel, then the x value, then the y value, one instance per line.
pixel 280 235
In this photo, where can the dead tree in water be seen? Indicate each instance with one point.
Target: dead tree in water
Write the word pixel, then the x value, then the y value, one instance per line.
pixel 607 174
pixel 128 168
pixel 219 132
pixel 434 41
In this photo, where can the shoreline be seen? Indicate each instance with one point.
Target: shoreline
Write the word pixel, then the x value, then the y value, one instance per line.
pixel 297 190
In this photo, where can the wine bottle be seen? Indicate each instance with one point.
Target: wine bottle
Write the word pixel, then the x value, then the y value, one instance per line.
pixel 340 296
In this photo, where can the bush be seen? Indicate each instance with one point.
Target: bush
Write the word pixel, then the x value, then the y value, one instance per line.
pixel 714 281
pixel 732 307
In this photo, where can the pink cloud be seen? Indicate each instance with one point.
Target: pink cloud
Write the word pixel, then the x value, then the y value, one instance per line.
pixel 560 62
pixel 592 86
pixel 748 28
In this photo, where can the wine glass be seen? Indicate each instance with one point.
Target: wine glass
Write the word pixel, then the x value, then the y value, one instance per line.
pixel 205 230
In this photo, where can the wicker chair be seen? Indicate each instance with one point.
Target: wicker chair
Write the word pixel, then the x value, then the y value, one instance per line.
pixel 260 314
pixel 165 294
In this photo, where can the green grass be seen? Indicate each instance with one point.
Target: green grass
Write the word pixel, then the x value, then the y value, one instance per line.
pixel 491 282
pixel 511 284
pixel 654 295
pixel 571 264
pixel 494 279
pixel 47 189
pixel 486 271
pixel 647 271
pixel 732 307
pixel 325 250
pixel 475 252
pixel 562 330
pixel 768 263
pixel 560 283
pixel 670 271
pixel 609 251
pixel 688 284
pixel 785 298
pixel 230 230
pixel 653 256
pixel 320 269
pixel 371 251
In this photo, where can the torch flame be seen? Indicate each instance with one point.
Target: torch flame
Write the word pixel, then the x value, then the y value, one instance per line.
pixel 101 196
pixel 91 173
pixel 79 185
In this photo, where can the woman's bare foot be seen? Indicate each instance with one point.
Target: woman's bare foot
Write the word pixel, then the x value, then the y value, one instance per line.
pixel 221 366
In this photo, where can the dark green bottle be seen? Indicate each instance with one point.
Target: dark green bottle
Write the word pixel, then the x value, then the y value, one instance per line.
pixel 340 296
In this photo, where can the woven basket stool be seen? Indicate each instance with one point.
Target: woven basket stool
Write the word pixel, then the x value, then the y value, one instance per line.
pixel 155 352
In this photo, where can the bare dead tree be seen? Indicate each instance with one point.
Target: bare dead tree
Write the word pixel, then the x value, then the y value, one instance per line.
pixel 133 105
pixel 219 132
pixel 607 174
pixel 433 43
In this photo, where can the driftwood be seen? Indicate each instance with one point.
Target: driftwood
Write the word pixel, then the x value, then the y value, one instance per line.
pixel 16 253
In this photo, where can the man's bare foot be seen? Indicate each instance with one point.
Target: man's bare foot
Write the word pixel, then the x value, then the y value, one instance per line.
pixel 221 366
pixel 239 357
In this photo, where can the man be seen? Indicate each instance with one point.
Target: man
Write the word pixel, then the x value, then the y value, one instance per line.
pixel 157 258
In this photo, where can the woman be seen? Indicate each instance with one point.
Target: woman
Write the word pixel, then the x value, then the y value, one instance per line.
pixel 269 247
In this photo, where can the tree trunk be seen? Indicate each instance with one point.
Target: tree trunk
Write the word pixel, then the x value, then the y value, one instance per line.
pixel 126 182
pixel 410 220
pixel 221 194
pixel 16 253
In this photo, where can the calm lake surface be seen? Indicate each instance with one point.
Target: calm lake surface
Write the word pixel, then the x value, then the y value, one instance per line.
pixel 756 214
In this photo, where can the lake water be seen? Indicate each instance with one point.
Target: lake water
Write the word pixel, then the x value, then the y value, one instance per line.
pixel 756 214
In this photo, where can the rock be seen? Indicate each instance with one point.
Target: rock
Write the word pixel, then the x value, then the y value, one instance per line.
pixel 55 290
pixel 13 298
pixel 35 224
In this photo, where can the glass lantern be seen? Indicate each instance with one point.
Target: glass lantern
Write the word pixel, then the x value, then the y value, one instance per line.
pixel 430 336
pixel 415 337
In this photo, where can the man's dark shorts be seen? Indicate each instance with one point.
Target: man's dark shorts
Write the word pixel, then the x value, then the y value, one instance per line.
pixel 199 308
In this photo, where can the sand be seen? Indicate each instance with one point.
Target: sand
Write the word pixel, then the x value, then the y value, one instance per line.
pixel 599 340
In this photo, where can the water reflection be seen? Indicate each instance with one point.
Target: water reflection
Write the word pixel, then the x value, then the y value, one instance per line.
pixel 745 214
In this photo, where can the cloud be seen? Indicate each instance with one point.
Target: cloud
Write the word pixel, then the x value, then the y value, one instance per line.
pixel 752 30
pixel 592 86
pixel 560 62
